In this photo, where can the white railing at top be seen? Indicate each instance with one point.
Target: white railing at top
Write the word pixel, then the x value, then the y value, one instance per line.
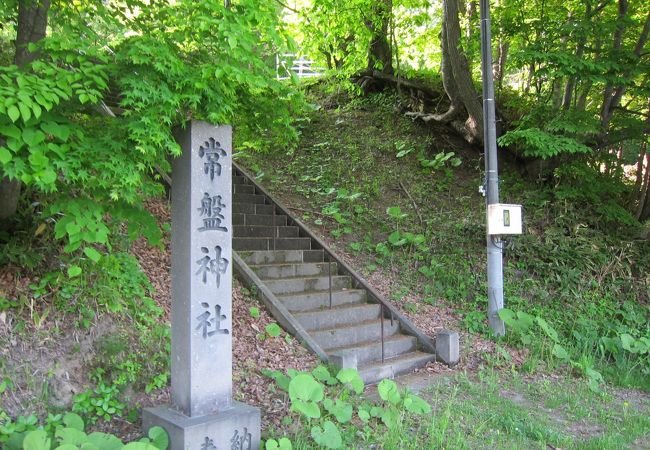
pixel 303 68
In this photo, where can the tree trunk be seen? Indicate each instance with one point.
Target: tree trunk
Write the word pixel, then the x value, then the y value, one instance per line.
pixel 643 212
pixel 500 67
pixel 380 53
pixel 462 77
pixel 613 95
pixel 32 25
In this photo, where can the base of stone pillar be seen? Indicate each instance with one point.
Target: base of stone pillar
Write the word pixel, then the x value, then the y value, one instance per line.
pixel 235 428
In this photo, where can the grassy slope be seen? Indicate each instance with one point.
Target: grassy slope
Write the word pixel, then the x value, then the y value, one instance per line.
pixel 344 176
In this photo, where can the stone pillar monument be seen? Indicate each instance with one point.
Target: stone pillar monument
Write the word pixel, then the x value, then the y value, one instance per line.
pixel 202 414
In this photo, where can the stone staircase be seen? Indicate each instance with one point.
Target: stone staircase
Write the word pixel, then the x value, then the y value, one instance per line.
pixel 314 295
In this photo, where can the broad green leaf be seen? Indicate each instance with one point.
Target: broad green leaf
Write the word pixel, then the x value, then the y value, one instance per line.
pixel 93 254
pixel 5 155
pixel 390 417
pixel 70 436
pixel 283 444
pixel 25 111
pixel 416 405
pixel 549 330
pixel 11 130
pixel 388 391
pixel 139 446
pixel 74 271
pixel 105 441
pixel 304 387
pixel 363 415
pixel 13 112
pixel 341 410
pixel 626 341
pixel 37 440
pixel 323 375
pixel 159 437
pixel 73 420
pixel 328 436
pixel 351 377
pixel 67 447
pixel 560 352
pixel 307 408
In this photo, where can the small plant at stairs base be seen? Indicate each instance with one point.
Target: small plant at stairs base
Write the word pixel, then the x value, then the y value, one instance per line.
pixel 328 404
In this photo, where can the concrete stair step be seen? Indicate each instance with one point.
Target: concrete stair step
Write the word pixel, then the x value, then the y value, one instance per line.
pixel 307 301
pixel 376 371
pixel 366 353
pixel 243 189
pixel 252 208
pixel 337 316
pixel 239 179
pixel 281 256
pixel 259 219
pixel 354 334
pixel 250 243
pixel 265 231
pixel 269 271
pixel 296 285
pixel 249 198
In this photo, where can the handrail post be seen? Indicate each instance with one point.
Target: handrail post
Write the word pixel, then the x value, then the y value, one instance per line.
pixel 329 273
pixel 381 315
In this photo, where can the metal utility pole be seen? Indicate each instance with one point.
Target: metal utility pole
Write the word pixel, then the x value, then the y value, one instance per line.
pixel 494 249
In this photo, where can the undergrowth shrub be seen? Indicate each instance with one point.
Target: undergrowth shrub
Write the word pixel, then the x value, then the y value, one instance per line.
pixel 67 432
pixel 332 411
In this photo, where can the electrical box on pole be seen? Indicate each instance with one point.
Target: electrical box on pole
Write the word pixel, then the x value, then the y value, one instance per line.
pixel 503 219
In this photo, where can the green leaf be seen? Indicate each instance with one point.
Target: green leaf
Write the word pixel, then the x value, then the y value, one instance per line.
pixel 74 271
pixel 549 330
pixel 363 415
pixel 11 131
pixel 5 155
pixel 93 254
pixel 68 447
pixel 273 329
pixel 70 436
pixel 328 436
pixel 351 377
pixel 283 444
pixel 139 446
pixel 25 112
pixel 304 387
pixel 323 375
pixel 159 438
pixel 390 417
pixel 37 440
pixel 61 132
pixel 307 408
pixel 13 112
pixel 560 352
pixel 388 391
pixel 73 420
pixel 254 312
pixel 416 405
pixel 105 441
pixel 341 410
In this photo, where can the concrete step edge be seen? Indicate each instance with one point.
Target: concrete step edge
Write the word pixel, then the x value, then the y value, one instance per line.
pixel 343 307
pixel 282 296
pixel 414 356
pixel 355 325
pixel 366 344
